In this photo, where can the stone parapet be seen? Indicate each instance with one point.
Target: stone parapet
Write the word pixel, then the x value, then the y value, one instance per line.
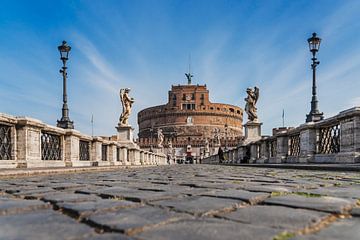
pixel 332 140
pixel 30 143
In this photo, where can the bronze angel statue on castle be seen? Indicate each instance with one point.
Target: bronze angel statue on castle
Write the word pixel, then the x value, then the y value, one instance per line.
pixel 126 102
pixel 251 100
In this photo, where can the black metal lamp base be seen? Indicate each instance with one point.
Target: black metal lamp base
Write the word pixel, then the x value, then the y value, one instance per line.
pixel 314 117
pixel 66 124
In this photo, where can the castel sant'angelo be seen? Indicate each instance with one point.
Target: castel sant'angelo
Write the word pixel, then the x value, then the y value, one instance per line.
pixel 190 121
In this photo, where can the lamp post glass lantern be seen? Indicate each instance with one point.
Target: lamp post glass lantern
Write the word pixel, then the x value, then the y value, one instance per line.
pixel 64 122
pixel 314 45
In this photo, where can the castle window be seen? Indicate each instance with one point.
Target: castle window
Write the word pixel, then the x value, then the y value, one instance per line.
pixel 238 111
pixel 193 96
pixel 174 100
pixel 232 110
pixel 188 106
pixel 184 97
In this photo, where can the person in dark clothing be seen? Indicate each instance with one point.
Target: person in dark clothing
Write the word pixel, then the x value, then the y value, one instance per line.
pixel 221 155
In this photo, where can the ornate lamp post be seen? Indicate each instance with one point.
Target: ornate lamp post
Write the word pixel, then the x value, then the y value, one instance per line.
pixel 64 122
pixel 314 115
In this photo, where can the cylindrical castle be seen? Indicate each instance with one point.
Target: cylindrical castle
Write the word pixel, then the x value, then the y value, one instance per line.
pixel 189 118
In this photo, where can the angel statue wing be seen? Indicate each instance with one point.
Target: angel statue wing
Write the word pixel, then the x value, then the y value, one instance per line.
pixel 256 93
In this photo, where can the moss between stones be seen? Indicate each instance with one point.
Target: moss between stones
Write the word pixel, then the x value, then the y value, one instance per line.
pixel 309 195
pixel 337 184
pixel 278 194
pixel 284 236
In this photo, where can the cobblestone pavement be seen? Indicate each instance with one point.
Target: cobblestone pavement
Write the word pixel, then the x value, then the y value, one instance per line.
pixel 182 202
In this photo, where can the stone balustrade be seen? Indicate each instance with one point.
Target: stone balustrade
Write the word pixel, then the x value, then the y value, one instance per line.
pixel 332 140
pixel 29 143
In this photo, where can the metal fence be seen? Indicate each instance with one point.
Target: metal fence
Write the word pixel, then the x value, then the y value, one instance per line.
pixel 104 152
pixel 294 148
pixel 5 142
pixel 118 154
pixel 84 150
pixel 50 146
pixel 273 148
pixel 329 139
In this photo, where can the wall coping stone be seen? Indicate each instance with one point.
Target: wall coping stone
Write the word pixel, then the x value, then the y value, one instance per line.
pixel 4 118
pixel 26 121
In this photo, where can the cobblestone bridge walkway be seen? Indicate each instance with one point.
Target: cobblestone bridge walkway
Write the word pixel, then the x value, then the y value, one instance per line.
pixel 182 202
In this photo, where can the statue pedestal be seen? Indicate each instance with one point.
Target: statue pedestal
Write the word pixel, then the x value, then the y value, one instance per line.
pixel 252 131
pixel 215 148
pixel 125 135
pixel 158 150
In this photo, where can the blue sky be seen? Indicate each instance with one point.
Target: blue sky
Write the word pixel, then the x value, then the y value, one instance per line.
pixel 145 45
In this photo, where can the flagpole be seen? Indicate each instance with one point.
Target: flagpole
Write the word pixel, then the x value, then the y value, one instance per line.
pixel 92 125
pixel 283 118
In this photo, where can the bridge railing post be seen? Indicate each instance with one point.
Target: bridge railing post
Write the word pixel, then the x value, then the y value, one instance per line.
pixel 8 133
pixel 349 136
pixel 96 151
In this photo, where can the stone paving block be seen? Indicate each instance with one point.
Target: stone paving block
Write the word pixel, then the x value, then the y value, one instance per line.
pixel 34 193
pixel 107 236
pixel 221 185
pixel 209 229
pixel 12 206
pixel 90 189
pixel 69 197
pixel 172 186
pixel 42 224
pixel 266 188
pixel 326 204
pixel 28 189
pixel 276 216
pixel 129 219
pixel 176 190
pixel 200 205
pixel 344 229
pixel 88 207
pixel 66 185
pixel 342 192
pixel 265 180
pixel 136 195
pixel 250 197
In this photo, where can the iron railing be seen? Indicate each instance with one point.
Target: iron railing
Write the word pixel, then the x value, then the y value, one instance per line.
pixel 104 152
pixel 50 146
pixel 294 149
pixel 329 139
pixel 273 148
pixel 84 150
pixel 5 142
pixel 118 154
pixel 259 151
